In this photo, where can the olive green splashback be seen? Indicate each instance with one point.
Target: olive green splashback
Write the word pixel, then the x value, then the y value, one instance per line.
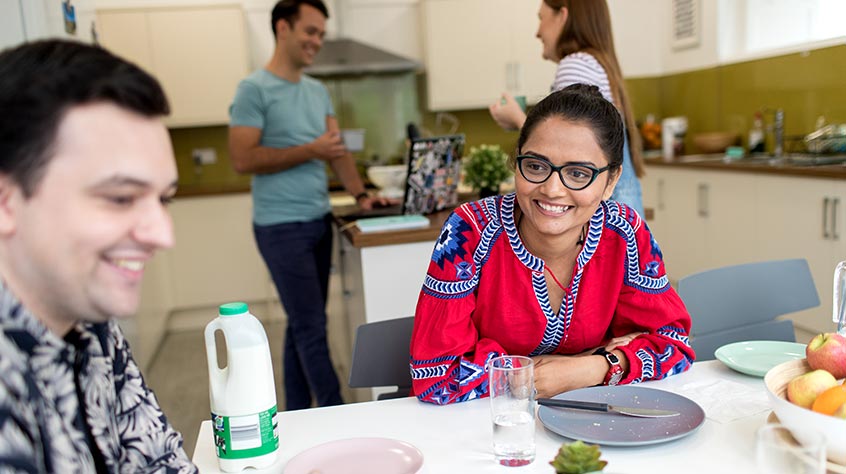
pixel 185 140
pixel 806 85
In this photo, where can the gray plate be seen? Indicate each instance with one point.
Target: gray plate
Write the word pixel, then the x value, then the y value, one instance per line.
pixel 612 429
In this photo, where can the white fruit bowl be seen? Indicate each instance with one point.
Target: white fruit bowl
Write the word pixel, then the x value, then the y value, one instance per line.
pixel 389 179
pixel 791 415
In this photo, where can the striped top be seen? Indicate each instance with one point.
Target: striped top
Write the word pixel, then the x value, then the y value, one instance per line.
pixel 582 67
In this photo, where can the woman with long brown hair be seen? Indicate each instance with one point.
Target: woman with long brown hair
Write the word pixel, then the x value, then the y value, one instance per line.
pixel 576 34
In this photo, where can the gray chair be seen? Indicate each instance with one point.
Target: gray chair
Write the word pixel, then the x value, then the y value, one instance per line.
pixel 381 356
pixel 741 302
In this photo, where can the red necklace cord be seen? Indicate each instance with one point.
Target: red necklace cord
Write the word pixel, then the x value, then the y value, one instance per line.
pixel 553 277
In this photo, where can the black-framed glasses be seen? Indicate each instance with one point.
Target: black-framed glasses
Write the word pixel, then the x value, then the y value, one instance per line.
pixel 573 176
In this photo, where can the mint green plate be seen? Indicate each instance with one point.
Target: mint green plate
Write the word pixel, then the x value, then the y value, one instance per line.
pixel 757 357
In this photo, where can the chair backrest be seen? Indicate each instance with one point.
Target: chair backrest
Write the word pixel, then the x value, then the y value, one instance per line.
pixel 381 356
pixel 707 344
pixel 735 303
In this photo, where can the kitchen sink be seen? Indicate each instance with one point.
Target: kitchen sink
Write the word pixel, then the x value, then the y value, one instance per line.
pixel 810 159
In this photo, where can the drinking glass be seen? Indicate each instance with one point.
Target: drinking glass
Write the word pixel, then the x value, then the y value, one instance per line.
pixel 512 388
pixel 779 450
pixel 839 304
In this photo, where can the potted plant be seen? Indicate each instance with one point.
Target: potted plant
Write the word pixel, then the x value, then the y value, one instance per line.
pixel 485 168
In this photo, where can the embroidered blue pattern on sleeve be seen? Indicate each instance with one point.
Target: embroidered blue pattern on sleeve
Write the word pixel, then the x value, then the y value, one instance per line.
pixel 450 244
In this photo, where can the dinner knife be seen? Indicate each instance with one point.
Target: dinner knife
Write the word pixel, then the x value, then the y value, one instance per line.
pixel 604 407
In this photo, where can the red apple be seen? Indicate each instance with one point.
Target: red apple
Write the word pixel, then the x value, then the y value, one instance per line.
pixel 828 352
pixel 803 390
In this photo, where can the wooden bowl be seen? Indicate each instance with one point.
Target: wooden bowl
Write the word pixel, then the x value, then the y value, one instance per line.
pixel 714 142
pixel 792 415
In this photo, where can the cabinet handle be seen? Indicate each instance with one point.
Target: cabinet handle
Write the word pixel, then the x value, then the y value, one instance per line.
pixel 703 200
pixel 661 194
pixel 825 219
pixel 834 203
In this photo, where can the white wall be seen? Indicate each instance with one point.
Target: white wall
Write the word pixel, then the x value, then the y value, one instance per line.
pixel 11 23
pixel 643 37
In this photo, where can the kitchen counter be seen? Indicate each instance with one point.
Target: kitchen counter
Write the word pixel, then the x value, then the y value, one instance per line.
pixel 745 165
pixel 345 217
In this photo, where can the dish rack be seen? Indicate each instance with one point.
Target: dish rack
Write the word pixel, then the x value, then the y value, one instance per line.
pixel 827 139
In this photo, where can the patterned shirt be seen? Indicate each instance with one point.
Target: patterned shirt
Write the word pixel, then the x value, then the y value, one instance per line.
pixel 78 404
pixel 485 295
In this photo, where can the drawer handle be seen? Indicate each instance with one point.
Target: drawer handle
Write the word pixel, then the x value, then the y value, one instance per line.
pixel 834 203
pixel 825 219
pixel 703 200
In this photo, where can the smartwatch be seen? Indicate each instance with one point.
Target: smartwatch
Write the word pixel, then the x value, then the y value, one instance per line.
pixel 615 372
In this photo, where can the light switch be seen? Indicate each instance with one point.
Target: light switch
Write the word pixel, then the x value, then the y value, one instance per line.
pixel 204 156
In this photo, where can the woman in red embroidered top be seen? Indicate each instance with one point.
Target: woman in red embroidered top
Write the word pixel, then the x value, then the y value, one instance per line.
pixel 553 270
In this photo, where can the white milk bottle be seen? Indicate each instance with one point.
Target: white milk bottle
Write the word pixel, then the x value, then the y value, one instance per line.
pixel 242 394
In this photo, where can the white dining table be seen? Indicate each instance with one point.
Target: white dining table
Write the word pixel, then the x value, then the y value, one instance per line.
pixel 457 438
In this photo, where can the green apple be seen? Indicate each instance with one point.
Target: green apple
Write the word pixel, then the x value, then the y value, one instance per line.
pixel 803 389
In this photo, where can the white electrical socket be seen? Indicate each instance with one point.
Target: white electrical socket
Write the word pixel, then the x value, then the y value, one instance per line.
pixel 204 156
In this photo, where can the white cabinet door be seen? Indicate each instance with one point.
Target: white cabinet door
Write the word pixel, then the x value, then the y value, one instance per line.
pixel 466 52
pixel 533 76
pixel 198 54
pixel 727 202
pixel 127 34
pixel 216 259
pixel 477 49
pixel 678 226
pixel 792 224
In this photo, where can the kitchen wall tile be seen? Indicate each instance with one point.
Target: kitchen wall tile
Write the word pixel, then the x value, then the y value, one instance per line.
pixel 218 173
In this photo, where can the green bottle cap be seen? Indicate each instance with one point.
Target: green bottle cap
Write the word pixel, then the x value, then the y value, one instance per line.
pixel 232 309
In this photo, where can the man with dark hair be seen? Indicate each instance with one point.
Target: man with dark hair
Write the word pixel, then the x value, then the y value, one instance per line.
pixel 283 130
pixel 86 169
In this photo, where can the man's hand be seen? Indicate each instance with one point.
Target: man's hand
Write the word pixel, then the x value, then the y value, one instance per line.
pixel 329 147
pixel 370 202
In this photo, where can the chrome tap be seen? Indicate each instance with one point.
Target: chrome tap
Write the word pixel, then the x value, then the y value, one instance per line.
pixel 777 129
pixel 778 133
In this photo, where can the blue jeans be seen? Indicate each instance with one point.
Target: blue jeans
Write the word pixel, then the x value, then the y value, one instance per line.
pixel 628 187
pixel 298 255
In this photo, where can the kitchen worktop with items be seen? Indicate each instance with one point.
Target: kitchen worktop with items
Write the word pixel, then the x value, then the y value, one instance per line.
pixel 800 165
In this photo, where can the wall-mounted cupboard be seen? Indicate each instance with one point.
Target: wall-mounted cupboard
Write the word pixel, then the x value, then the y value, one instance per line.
pixel 199 54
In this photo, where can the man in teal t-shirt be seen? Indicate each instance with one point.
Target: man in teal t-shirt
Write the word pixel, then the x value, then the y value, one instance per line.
pixel 284 132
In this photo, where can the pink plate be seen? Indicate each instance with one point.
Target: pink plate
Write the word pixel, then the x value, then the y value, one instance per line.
pixel 358 456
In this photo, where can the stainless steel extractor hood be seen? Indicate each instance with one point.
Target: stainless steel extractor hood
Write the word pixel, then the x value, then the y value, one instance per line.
pixel 350 57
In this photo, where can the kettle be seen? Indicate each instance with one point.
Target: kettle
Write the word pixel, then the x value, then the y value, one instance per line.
pixel 839 306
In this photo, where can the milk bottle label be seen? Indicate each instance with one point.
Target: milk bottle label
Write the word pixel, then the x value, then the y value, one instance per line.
pixel 239 437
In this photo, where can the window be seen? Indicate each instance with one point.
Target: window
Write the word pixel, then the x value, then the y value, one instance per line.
pixel 770 25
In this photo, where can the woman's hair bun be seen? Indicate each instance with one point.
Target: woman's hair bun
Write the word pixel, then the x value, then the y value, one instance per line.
pixel 586 89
